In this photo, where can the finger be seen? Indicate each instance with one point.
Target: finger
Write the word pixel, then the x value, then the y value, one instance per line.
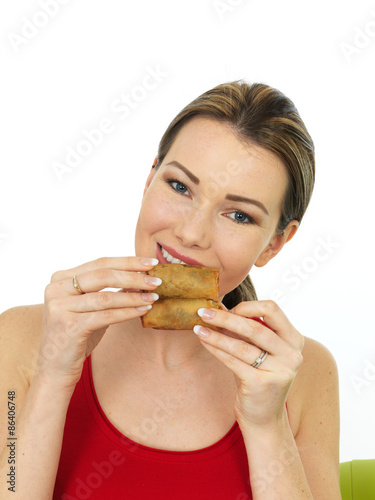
pixel 271 368
pixel 236 357
pixel 239 349
pixel 99 301
pixel 242 370
pixel 96 280
pixel 118 263
pixel 96 320
pixel 274 317
pixel 250 331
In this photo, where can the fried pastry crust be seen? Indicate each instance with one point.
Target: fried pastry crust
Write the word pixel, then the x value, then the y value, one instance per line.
pixel 177 314
pixel 184 289
pixel 186 281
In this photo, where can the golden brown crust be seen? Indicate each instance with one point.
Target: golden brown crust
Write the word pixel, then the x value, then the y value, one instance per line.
pixel 177 314
pixel 183 291
pixel 186 281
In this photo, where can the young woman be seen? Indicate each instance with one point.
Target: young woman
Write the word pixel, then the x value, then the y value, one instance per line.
pixel 107 409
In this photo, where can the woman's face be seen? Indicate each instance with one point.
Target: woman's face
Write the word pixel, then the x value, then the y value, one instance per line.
pixel 194 206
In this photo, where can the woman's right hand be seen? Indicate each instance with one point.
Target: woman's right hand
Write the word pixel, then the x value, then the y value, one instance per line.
pixel 74 323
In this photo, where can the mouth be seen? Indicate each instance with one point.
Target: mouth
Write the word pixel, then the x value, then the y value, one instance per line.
pixel 170 255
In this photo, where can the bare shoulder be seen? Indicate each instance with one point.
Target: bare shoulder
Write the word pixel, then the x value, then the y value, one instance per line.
pixel 319 368
pixel 315 391
pixel 314 350
pixel 316 383
pixel 20 337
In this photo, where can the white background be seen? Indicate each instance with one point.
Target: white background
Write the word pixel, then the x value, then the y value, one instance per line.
pixel 70 73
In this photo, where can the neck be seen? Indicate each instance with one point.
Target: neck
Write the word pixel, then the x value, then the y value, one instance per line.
pixel 166 349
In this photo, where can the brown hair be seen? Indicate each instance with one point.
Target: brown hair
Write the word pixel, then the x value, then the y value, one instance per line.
pixel 262 115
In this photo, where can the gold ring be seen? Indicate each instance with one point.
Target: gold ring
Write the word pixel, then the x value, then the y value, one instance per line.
pixel 76 285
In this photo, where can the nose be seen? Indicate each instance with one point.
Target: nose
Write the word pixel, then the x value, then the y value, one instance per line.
pixel 194 227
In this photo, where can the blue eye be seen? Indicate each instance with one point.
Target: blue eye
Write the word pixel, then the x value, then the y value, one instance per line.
pixel 180 188
pixel 241 218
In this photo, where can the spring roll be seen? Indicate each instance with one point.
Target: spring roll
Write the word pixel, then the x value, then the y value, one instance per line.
pixel 186 281
pixel 177 314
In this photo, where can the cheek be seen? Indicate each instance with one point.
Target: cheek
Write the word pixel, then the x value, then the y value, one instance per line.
pixel 157 212
pixel 237 260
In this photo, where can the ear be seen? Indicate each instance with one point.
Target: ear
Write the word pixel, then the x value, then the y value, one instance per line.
pixel 276 244
pixel 151 175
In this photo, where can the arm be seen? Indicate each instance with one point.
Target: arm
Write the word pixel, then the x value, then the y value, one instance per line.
pixel 318 435
pixel 310 460
pixel 68 328
pixel 280 466
pixel 40 411
pixel 39 432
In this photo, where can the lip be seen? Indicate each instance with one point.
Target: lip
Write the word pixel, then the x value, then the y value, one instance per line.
pixel 180 256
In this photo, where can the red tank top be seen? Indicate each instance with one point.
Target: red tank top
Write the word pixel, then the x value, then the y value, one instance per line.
pixel 98 462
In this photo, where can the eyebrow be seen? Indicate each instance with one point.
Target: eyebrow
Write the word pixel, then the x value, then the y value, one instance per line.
pixel 234 197
pixel 231 197
pixel 184 169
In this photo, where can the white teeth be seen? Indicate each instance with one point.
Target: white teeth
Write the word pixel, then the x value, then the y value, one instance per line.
pixel 169 257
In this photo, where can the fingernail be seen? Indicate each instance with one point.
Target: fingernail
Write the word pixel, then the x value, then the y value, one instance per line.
pixel 149 296
pixel 201 331
pixel 143 308
pixel 150 280
pixel 206 313
pixel 149 262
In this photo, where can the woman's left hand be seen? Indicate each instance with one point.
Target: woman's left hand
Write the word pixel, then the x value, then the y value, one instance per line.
pixel 262 391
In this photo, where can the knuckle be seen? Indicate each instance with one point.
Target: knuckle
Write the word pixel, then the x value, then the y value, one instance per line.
pixel 243 328
pixel 117 275
pixel 256 328
pixel 101 274
pixel 270 306
pixel 251 329
pixel 226 321
pixel 297 359
pixel 53 307
pixel 101 262
pixel 52 290
pixel 104 298
pixel 71 326
pixel 49 292
pixel 231 361
pixel 244 349
pixel 286 375
pixel 134 299
pixel 108 315
pixel 57 276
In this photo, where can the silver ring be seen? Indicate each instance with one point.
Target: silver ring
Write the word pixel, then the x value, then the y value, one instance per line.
pixel 260 360
pixel 76 285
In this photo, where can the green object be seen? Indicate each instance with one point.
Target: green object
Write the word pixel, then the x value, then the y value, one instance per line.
pixel 357 480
